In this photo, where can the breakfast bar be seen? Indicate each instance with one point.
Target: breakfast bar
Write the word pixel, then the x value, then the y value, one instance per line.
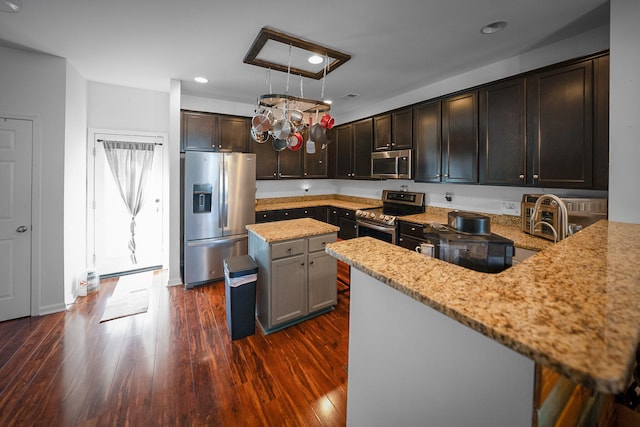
pixel 573 307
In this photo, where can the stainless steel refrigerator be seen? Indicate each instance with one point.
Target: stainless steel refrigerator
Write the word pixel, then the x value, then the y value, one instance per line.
pixel 219 201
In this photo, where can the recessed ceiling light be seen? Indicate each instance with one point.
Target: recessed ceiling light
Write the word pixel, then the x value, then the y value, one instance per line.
pixel 494 27
pixel 315 59
pixel 201 79
pixel 11 6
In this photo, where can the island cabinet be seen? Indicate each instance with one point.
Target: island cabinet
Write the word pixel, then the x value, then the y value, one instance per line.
pixel 393 131
pixel 214 132
pixel 353 150
pixel 296 279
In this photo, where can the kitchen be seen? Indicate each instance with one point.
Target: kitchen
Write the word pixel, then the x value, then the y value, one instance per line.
pixel 59 237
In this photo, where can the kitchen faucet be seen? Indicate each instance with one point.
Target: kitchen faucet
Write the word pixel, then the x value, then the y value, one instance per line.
pixel 564 220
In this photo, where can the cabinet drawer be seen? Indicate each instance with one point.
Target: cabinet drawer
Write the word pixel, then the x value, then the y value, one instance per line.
pixel 411 229
pixel 318 243
pixel 288 248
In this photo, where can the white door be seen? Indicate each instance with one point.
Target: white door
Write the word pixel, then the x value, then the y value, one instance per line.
pixel 16 144
pixel 111 219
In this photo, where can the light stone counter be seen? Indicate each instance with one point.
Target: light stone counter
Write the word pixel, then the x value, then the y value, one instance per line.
pixel 573 307
pixel 337 201
pixel 291 229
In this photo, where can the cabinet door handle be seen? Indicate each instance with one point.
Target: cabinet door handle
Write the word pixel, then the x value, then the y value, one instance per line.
pixel 310 263
pixel 437 175
pixel 446 175
pixel 535 176
pixel 521 176
pixel 302 264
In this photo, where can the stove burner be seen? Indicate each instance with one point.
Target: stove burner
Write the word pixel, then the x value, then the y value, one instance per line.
pixel 376 215
pixel 394 204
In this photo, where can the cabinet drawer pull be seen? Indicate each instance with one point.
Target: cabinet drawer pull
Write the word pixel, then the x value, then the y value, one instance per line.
pixel 288 249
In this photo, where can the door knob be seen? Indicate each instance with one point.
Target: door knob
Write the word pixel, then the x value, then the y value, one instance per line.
pixel 22 229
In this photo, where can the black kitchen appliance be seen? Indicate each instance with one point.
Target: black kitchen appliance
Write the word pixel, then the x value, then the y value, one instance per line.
pixel 381 223
pixel 467 241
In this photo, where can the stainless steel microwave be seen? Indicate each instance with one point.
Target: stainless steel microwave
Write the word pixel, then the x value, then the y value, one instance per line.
pixel 395 164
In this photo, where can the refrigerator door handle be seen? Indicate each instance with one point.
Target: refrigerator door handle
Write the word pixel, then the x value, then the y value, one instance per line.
pixel 221 197
pixel 224 202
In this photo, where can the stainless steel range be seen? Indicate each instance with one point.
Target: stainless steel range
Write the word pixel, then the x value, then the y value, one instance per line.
pixel 381 223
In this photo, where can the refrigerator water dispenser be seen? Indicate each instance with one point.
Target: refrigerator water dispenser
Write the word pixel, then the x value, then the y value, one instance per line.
pixel 202 198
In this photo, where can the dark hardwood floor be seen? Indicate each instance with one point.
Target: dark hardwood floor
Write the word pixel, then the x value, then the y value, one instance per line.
pixel 173 365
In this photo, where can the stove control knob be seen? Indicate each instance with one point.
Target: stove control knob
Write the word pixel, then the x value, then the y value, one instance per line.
pixel 372 215
pixel 387 218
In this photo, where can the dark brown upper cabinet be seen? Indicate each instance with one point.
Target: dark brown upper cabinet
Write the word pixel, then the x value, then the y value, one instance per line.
pixel 601 123
pixel 266 160
pixel 214 132
pixel 362 142
pixel 343 157
pixel 427 133
pixel 503 145
pixel 316 165
pixel 460 138
pixel 560 131
pixel 353 149
pixel 393 131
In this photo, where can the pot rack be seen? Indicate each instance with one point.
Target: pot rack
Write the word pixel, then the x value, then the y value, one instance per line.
pixel 283 102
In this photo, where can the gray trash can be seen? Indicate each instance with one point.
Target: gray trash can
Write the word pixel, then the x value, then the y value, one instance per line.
pixel 240 276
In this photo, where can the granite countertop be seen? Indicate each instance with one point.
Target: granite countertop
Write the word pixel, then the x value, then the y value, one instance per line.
pixel 291 229
pixel 573 307
pixel 345 202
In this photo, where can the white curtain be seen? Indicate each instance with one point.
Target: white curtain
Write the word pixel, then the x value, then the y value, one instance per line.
pixel 130 164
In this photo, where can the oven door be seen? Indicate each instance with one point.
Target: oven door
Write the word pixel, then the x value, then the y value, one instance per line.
pixel 386 233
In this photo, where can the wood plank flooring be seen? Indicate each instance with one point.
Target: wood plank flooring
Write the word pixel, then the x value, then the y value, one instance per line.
pixel 173 365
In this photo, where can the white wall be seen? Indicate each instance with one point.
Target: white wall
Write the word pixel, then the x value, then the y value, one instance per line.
pixel 75 181
pixel 624 139
pixel 32 85
pixel 173 220
pixel 196 103
pixel 124 108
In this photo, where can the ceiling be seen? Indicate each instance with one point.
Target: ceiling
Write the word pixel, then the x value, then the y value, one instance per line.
pixel 395 46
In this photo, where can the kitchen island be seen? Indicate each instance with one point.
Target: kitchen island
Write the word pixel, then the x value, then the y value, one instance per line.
pixel 296 277
pixel 573 307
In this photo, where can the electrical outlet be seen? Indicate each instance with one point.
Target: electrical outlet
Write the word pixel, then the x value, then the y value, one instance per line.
pixel 509 207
